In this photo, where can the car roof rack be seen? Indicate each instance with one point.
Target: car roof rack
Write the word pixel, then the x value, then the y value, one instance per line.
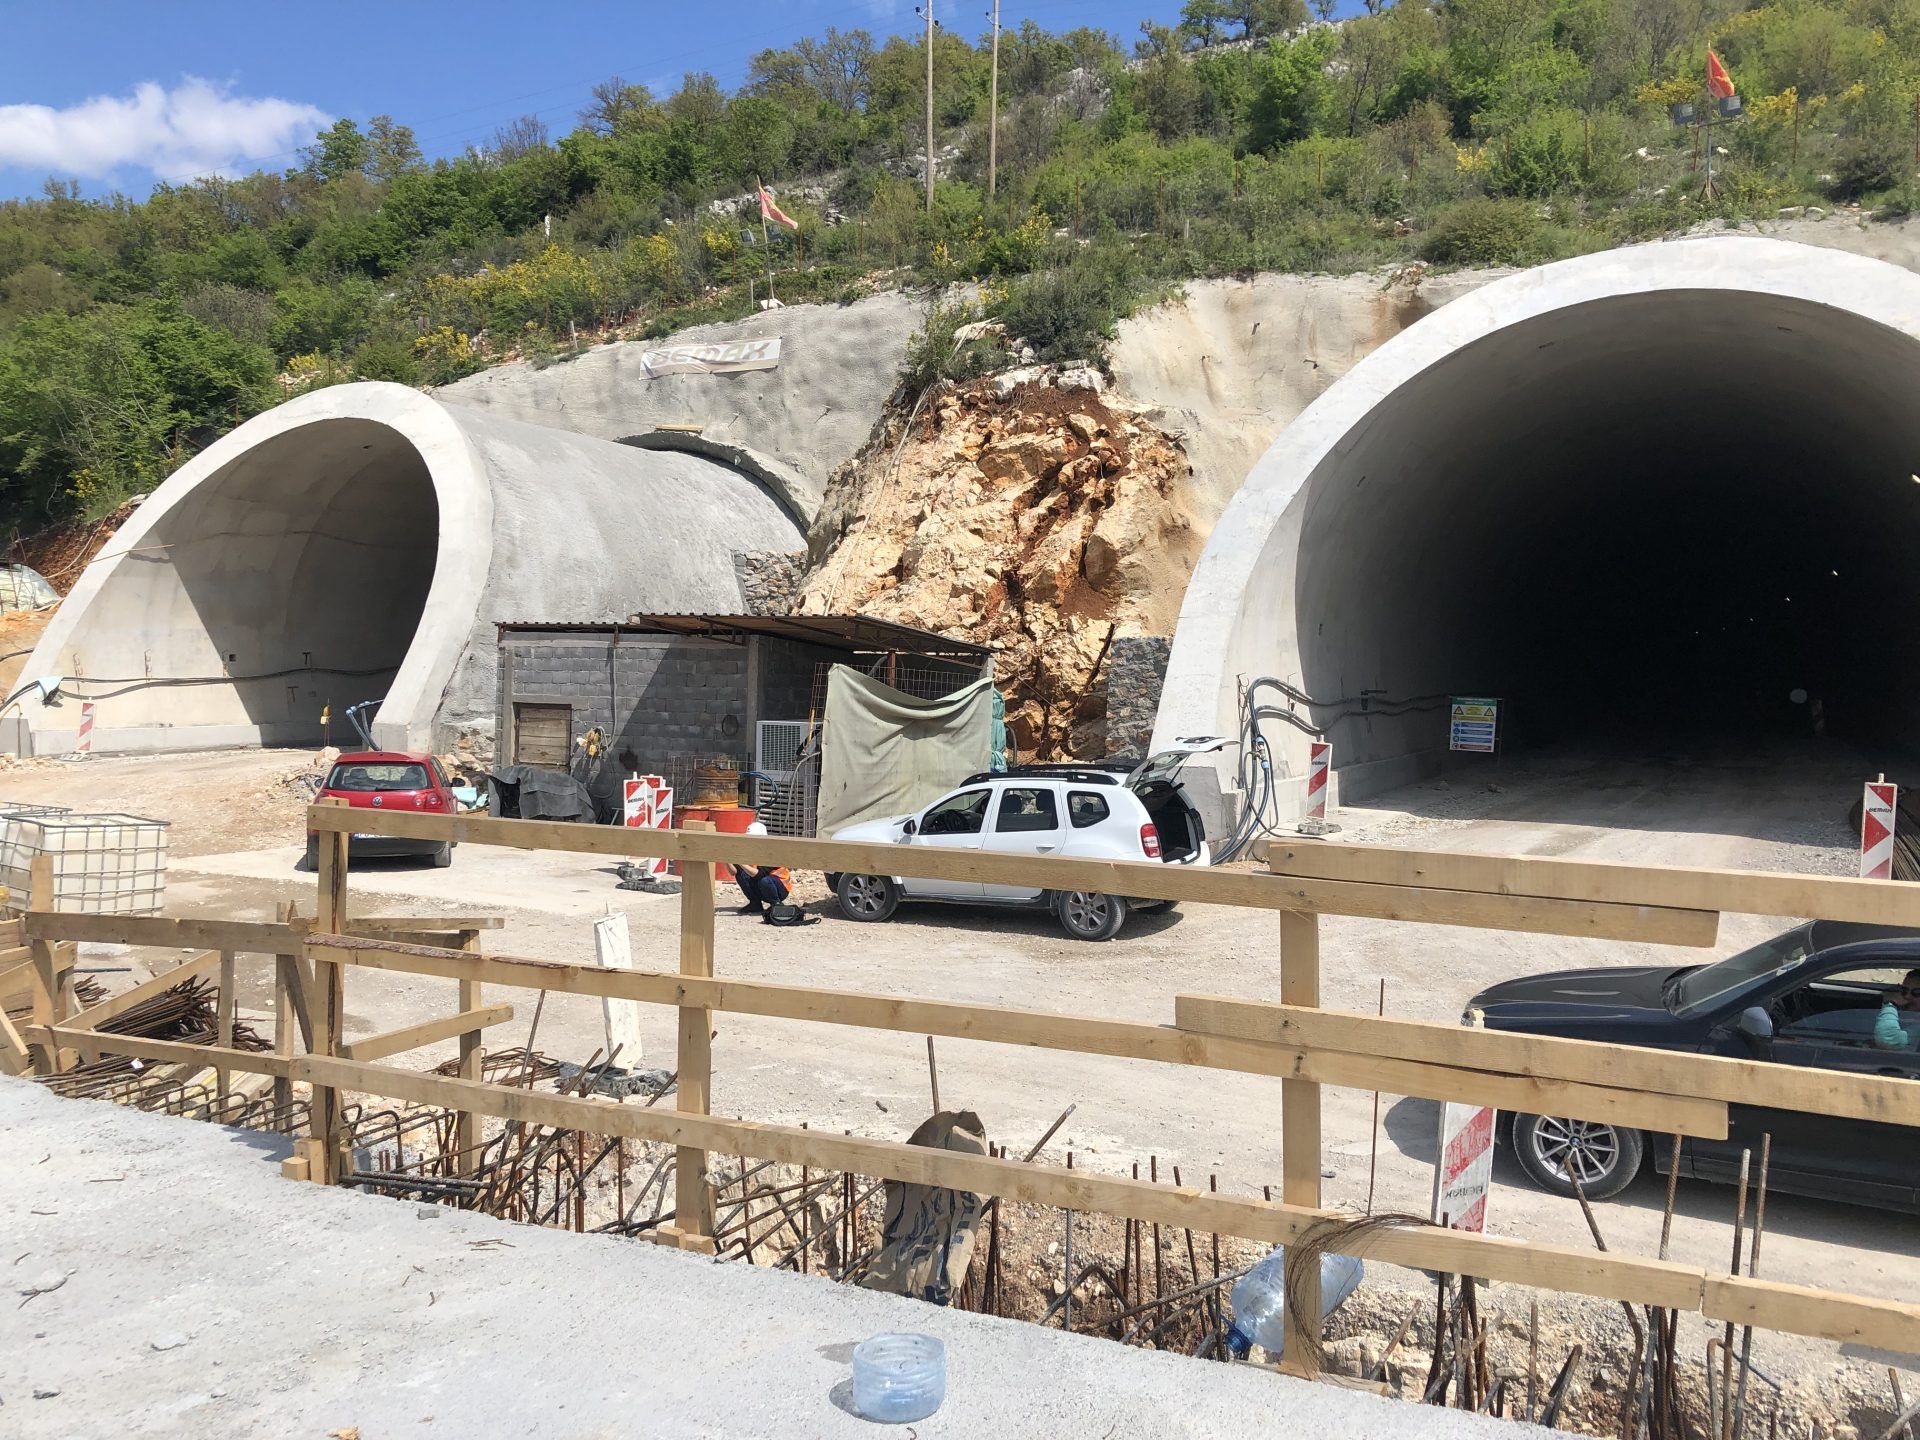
pixel 1092 772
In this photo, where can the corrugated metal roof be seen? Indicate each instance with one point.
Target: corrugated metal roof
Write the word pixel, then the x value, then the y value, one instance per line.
pixel 851 633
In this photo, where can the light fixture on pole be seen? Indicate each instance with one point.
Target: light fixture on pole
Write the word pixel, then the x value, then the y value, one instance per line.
pixel 1726 107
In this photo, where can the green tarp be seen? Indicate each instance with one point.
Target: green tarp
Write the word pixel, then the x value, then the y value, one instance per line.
pixel 884 752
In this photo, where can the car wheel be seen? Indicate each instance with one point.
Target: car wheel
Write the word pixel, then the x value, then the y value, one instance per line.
pixel 1556 1152
pixel 1090 915
pixel 310 861
pixel 867 897
pixel 443 857
pixel 1153 907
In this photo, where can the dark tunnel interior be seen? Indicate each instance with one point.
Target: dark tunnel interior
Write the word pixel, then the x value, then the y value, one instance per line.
pixel 1651 520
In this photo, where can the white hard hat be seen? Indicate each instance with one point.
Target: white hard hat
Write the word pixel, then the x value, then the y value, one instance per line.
pixel 756 828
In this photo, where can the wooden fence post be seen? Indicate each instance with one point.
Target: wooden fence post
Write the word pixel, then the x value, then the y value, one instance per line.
pixel 1300 1132
pixel 466 1126
pixel 286 975
pixel 223 1024
pixel 693 1196
pixel 52 990
pixel 328 1002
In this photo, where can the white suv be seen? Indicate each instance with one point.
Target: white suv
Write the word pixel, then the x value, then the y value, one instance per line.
pixel 1114 810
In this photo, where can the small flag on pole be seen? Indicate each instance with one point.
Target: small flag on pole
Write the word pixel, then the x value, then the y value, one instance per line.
pixel 771 211
pixel 1719 83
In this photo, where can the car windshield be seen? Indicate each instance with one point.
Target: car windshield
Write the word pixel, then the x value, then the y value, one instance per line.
pixel 1698 990
pixel 361 776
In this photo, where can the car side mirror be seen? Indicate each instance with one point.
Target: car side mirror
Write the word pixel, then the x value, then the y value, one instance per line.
pixel 1756 1028
pixel 910 828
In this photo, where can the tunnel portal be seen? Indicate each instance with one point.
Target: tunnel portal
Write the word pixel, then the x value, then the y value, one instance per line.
pixel 1660 497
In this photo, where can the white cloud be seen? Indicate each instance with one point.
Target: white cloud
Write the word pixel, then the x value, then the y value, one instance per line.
pixel 195 129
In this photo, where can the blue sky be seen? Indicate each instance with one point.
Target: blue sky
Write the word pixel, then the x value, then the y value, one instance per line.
pixel 119 93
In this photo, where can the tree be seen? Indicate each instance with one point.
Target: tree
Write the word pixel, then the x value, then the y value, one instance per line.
pixel 391 149
pixel 518 138
pixel 617 107
pixel 1291 92
pixel 1166 92
pixel 698 102
pixel 338 151
pixel 834 69
pixel 1205 20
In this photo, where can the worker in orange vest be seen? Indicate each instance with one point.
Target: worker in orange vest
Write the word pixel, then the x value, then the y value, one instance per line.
pixel 764 885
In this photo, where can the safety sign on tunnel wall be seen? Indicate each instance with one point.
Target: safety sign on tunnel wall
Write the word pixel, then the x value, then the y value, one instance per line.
pixel 1475 724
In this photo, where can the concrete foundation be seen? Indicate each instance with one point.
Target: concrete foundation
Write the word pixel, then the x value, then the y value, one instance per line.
pixel 200 1294
pixel 1640 496
pixel 362 542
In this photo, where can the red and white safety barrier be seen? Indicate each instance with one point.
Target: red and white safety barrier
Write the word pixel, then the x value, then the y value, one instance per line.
pixel 1319 769
pixel 649 806
pixel 84 744
pixel 1876 829
pixel 1466 1167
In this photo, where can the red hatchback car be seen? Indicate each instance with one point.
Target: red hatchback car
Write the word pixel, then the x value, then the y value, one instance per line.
pixel 389 780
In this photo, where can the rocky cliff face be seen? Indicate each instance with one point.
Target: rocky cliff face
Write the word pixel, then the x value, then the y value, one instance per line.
pixel 1029 512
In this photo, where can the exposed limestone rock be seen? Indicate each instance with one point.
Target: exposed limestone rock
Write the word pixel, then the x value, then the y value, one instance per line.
pixel 1041 520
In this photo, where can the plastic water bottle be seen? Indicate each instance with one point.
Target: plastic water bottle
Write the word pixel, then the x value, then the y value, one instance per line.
pixel 1260 1299
pixel 897 1378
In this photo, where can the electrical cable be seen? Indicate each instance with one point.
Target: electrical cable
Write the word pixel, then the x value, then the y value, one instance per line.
pixel 1260 811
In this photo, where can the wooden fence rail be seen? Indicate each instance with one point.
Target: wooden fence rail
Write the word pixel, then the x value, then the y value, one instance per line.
pixel 1294 1039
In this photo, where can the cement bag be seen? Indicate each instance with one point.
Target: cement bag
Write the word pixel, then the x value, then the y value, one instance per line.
pixel 928 1234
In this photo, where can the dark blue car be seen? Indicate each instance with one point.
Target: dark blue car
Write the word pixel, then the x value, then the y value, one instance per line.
pixel 1808 997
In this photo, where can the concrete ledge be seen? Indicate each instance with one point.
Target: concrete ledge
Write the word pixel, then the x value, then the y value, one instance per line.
pixel 205 1295
pixel 796 494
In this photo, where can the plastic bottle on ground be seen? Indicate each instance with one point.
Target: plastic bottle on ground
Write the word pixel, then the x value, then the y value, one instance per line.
pixel 898 1377
pixel 1260 1299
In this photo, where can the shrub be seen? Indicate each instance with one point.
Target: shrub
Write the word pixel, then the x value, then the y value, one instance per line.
pixel 1068 312
pixel 934 354
pixel 1866 163
pixel 1483 232
pixel 447 354
pixel 386 359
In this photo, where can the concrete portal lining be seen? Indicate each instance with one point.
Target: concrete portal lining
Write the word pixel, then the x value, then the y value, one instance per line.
pixel 362 541
pixel 1573 461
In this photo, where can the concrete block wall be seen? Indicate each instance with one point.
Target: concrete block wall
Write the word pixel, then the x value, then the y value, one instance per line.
pixel 786 677
pixel 664 698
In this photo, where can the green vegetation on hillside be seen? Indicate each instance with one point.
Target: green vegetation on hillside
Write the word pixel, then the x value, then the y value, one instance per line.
pixel 1251 137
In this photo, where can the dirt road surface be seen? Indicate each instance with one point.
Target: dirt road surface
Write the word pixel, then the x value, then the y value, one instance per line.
pixel 237 835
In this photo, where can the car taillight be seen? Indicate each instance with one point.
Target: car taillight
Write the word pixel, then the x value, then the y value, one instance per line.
pixel 1150 841
pixel 428 801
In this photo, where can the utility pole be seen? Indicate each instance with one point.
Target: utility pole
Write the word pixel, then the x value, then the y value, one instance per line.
pixel 927 7
pixel 993 107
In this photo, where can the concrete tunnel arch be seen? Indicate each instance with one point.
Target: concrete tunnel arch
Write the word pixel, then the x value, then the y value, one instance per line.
pixel 362 542
pixel 1643 495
